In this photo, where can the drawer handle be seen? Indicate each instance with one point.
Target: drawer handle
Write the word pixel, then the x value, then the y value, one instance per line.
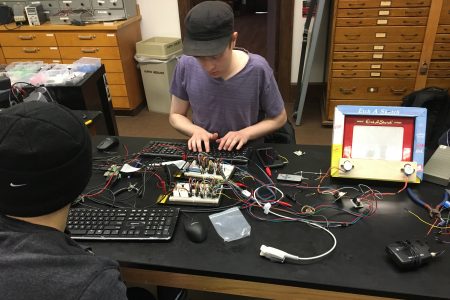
pixel 402 75
pixel 86 37
pixel 351 48
pixel 349 66
pixel 30 50
pixel 411 22
pixel 407 67
pixel 352 36
pixel 398 92
pixel 356 4
pixel 412 12
pixel 409 35
pixel 445 39
pixel 405 56
pixel 26 37
pixel 347 91
pixel 350 56
pixel 89 50
pixel 443 56
pixel 353 23
pixel 348 74
pixel 415 3
pixel 407 48
pixel 354 13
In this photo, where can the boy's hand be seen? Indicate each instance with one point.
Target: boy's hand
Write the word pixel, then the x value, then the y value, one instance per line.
pixel 199 136
pixel 233 139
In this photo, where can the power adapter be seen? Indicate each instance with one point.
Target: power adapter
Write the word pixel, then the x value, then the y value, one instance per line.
pixel 409 254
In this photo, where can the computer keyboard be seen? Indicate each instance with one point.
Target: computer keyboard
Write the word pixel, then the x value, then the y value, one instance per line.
pixel 157 223
pixel 179 150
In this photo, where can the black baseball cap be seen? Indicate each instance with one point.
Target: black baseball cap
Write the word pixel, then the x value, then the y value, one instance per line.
pixel 209 26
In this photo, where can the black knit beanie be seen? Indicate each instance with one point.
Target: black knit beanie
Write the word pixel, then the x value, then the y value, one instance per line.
pixel 45 158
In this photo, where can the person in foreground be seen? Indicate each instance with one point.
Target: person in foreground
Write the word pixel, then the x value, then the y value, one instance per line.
pixel 45 163
pixel 232 93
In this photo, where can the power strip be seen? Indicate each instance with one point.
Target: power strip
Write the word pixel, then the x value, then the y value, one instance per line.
pixel 196 193
pixel 209 170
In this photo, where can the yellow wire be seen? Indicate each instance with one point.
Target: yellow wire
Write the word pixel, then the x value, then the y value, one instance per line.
pixel 429 224
pixel 285 159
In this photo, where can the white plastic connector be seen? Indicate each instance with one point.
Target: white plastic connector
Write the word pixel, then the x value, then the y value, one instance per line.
pixel 246 193
pixel 267 207
pixel 275 254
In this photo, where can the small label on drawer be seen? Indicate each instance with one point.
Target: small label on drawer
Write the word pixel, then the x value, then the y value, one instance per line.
pixel 372 89
pixel 383 13
pixel 67 2
pixel 53 48
pixel 110 35
pixel 385 3
pixel 99 1
pixel 36 2
pixel 382 22
pixel 378 47
pixel 377 55
pixel 49 34
pixel 56 61
pixel 380 34
pixel 64 18
pixel 102 12
pixel 375 74
pixel 375 66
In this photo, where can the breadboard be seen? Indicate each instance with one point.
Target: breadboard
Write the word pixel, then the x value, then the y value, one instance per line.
pixel 215 171
pixel 197 194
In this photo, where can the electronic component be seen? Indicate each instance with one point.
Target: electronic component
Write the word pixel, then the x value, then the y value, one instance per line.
pixel 35 14
pixel 409 254
pixel 19 13
pixel 289 177
pixel 6 14
pixel 194 192
pixel 208 169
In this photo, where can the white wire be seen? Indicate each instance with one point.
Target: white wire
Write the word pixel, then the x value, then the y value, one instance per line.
pixel 318 226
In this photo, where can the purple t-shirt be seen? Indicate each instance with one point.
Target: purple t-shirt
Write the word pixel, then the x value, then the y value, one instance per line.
pixel 227 105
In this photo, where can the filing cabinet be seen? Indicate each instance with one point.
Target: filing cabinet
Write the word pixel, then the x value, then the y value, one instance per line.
pixel 381 51
pixel 114 44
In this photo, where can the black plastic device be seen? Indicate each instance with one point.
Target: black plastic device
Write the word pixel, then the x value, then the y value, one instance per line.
pixel 409 254
pixel 107 143
pixel 269 157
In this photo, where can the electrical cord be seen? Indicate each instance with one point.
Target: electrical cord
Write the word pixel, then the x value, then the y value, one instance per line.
pixel 278 255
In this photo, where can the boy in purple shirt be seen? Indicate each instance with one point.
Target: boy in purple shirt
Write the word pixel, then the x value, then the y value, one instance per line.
pixel 232 93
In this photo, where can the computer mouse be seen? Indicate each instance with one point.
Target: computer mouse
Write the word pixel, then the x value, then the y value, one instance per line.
pixel 107 143
pixel 195 230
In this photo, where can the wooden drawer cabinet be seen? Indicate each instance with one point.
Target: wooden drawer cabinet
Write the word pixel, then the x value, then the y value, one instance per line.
pixel 381 51
pixel 114 44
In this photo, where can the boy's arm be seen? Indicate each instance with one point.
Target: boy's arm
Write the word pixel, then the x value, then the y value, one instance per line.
pixel 179 120
pixel 236 139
